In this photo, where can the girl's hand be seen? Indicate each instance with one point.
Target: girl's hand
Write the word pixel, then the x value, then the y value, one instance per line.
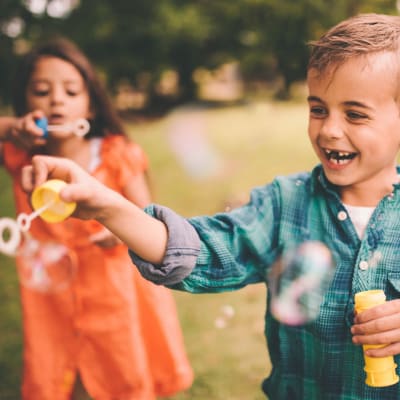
pixel 25 133
pixel 379 325
pixel 104 238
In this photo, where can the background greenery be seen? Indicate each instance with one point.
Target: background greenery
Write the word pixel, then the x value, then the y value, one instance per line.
pixel 255 142
pixel 136 41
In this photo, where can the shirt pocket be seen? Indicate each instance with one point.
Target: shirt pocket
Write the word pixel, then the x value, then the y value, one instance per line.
pixel 393 286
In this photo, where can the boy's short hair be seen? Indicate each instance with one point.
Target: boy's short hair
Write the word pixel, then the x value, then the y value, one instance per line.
pixel 359 35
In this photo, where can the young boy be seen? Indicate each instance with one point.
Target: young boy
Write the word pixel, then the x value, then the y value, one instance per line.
pixel 350 202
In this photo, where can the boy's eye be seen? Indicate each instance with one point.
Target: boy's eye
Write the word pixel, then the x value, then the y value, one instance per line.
pixel 318 112
pixel 354 115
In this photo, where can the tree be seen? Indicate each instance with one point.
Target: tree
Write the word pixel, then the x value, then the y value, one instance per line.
pixel 131 39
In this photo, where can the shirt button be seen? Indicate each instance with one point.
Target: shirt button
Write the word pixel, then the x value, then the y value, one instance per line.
pixel 342 215
pixel 363 265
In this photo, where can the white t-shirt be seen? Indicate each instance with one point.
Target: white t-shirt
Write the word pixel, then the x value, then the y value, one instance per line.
pixel 360 217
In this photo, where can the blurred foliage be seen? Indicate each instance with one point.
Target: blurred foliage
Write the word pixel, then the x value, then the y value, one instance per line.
pixel 137 40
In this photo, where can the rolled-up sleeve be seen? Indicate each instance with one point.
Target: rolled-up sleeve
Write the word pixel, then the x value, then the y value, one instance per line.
pixel 182 251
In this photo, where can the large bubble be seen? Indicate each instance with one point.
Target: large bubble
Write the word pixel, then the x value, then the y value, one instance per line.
pixel 45 266
pixel 298 281
pixel 42 266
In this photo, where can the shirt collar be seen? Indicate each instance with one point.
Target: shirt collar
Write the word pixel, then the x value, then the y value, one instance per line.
pixel 319 181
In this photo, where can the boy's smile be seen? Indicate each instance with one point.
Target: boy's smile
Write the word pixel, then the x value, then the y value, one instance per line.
pixel 354 125
pixel 339 157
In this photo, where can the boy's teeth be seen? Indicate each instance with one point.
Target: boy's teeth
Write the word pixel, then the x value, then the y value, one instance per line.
pixel 339 157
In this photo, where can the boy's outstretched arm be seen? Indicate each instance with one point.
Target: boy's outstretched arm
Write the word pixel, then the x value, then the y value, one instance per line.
pixel 144 235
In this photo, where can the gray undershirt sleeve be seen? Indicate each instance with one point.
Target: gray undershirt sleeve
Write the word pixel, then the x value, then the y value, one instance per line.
pixel 182 251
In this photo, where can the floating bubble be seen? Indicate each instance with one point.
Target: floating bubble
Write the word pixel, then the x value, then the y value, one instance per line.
pixel 46 266
pixel 375 259
pixel 226 312
pixel 42 266
pixel 298 282
pixel 187 137
pixel 220 322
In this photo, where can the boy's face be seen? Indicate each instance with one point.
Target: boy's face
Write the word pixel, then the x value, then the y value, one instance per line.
pixel 354 126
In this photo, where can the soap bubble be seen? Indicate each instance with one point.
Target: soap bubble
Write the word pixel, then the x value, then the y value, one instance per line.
pixel 226 312
pixel 298 282
pixel 42 266
pixel 187 137
pixel 45 266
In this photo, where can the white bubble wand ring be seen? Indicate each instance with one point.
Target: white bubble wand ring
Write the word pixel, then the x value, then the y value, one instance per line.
pixel 10 230
pixel 24 220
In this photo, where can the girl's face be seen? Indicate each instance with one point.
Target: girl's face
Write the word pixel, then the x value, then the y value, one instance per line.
pixel 354 126
pixel 57 88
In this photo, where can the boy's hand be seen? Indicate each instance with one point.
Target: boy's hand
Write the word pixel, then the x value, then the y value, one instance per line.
pixel 145 235
pixel 379 325
pixel 25 133
pixel 91 196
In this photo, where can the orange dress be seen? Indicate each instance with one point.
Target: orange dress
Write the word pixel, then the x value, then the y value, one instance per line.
pixel 120 332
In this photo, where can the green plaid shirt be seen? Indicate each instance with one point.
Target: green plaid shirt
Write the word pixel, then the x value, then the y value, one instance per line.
pixel 316 361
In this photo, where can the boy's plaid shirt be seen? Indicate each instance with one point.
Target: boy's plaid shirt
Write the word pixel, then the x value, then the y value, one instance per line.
pixel 318 360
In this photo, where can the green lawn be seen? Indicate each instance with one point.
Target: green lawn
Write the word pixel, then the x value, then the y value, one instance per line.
pixel 251 144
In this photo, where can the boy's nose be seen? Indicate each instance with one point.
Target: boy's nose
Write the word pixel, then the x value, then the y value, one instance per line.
pixel 332 128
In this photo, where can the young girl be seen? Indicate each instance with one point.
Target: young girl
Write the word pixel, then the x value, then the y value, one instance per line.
pixel 117 331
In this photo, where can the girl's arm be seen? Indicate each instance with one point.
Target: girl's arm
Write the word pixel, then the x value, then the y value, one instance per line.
pixel 6 125
pixel 144 235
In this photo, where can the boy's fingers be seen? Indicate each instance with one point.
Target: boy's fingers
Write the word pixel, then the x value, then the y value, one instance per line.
pixel 27 178
pixel 40 170
pixel 80 185
pixel 48 167
pixel 35 174
pixel 390 349
pixel 390 308
pixel 74 192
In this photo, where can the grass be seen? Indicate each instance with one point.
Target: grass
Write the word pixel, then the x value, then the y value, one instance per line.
pixel 247 147
pixel 10 321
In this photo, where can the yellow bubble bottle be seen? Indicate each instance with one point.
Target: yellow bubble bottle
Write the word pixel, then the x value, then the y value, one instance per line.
pixel 47 194
pixel 380 371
